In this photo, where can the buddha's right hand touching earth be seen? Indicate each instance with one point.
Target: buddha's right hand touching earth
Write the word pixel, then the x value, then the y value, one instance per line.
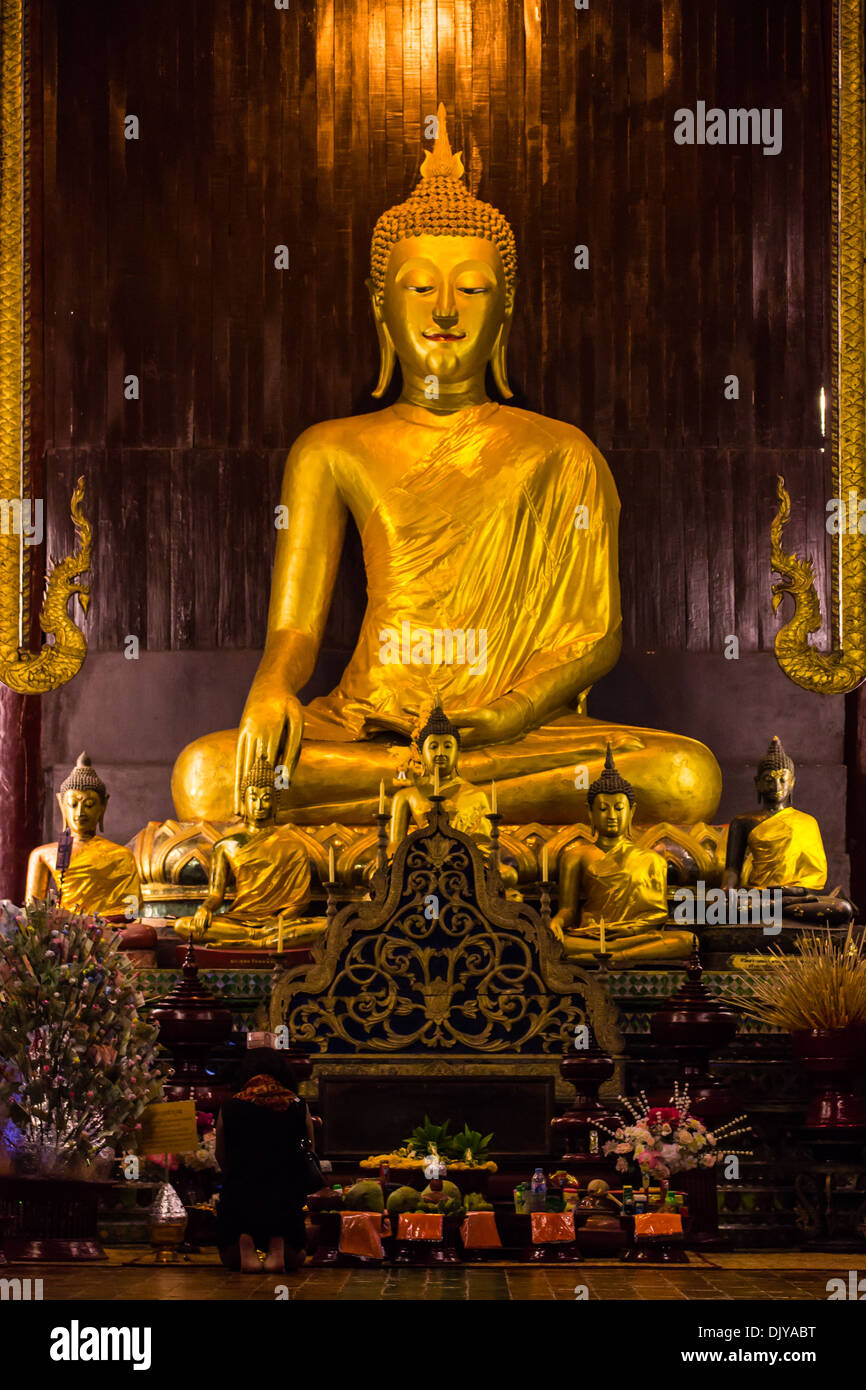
pixel 277 720
pixel 202 919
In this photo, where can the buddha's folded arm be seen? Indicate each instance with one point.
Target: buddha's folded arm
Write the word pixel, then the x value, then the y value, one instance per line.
pixel 555 676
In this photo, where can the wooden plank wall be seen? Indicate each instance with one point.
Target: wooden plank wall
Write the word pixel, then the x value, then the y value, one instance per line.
pixel 262 126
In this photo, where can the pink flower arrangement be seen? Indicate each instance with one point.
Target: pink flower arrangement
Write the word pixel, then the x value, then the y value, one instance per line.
pixel 663 1140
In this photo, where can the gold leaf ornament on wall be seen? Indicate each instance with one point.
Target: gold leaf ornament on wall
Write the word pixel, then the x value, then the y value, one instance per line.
pixel 57 661
pixel 842 668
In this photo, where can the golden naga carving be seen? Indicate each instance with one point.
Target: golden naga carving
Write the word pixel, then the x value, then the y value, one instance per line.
pixel 28 673
pixel 844 666
pixel 32 673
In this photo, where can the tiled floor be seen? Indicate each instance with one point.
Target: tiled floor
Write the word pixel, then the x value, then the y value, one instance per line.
pixel 209 1282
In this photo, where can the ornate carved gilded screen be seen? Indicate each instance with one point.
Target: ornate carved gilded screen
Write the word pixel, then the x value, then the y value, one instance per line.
pixel 21 518
pixel 844 666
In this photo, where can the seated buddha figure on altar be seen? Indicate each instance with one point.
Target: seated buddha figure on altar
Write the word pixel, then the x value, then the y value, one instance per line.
pixel 777 846
pixel 489 537
pixel 612 893
pixel 270 869
pixel 438 743
pixel 101 878
pixel 467 807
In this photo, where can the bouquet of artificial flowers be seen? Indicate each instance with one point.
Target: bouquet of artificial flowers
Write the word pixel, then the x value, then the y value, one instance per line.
pixel 666 1139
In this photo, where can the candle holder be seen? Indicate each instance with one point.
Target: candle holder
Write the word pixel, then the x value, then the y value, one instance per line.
pixel 330 902
pixel 494 877
pixel 544 902
pixel 382 821
pixel 380 879
pixel 603 959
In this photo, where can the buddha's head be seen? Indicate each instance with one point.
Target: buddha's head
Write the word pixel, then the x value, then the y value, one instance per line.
pixel 611 804
pixel 439 743
pixel 443 270
pixel 258 793
pixel 82 799
pixel 775 778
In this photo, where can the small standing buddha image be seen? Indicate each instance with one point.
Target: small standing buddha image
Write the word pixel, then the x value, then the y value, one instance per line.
pixel 776 846
pixel 270 871
pixel 613 893
pixel 101 877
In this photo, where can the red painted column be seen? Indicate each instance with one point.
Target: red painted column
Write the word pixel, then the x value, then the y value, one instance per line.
pixel 20 789
pixel 855 757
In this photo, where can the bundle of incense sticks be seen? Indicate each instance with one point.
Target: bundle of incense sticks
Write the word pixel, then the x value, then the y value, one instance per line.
pixel 822 986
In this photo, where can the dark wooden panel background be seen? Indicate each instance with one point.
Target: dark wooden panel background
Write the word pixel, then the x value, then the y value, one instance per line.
pixel 261 126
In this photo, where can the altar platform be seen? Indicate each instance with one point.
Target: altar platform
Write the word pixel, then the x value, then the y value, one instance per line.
pixel 781 1198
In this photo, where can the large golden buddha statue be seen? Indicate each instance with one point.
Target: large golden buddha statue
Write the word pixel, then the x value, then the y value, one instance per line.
pixel 270 870
pixel 101 876
pixel 613 893
pixel 490 545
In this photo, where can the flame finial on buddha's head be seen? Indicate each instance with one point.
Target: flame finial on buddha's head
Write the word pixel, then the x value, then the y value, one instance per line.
pixel 441 205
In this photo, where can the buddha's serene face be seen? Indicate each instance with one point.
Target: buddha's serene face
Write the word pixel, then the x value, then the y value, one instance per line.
pixel 445 301
pixel 611 815
pixel 82 811
pixel 775 785
pixel 440 750
pixel 259 805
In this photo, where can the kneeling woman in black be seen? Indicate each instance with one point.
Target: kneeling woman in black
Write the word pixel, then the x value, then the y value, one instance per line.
pixel 259 1135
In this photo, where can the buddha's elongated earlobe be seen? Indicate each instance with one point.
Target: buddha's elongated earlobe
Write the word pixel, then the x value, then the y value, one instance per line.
pixel 387 354
pixel 498 363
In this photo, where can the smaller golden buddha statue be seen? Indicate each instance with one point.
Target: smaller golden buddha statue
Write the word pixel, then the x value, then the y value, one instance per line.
pixel 101 877
pixel 612 893
pixel 467 807
pixel 270 870
pixel 438 745
pixel 777 846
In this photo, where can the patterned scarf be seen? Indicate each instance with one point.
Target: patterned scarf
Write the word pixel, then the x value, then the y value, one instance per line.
pixel 267 1091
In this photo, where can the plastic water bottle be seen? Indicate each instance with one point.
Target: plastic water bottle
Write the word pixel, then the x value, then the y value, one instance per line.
pixel 538 1188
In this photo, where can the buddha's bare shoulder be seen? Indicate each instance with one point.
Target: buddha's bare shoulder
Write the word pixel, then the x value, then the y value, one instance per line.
pixel 47 852
pixel 343 434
